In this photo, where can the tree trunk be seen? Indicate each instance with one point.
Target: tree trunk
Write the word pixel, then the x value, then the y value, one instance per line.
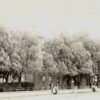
pixel 72 83
pixel 7 79
pixel 36 81
pixel 54 80
pixel 6 83
pixel 19 81
pixel 61 82
pixel 83 81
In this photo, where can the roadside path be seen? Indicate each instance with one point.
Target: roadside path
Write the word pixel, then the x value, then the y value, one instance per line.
pixel 45 92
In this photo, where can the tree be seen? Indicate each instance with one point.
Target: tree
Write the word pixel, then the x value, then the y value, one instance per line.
pixel 63 69
pixel 23 56
pixel 50 66
pixel 60 51
pixel 5 63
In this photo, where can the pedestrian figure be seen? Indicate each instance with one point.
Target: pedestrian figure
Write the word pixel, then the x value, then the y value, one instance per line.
pixel 94 88
pixel 50 85
pixel 55 89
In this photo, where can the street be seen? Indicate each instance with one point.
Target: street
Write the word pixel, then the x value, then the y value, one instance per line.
pixel 77 96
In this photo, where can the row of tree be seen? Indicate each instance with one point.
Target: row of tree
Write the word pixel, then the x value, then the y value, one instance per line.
pixel 63 55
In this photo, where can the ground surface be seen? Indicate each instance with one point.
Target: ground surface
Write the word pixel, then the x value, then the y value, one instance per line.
pixel 72 96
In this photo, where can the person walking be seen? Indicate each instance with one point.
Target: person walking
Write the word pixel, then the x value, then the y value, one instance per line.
pixel 55 89
pixel 94 88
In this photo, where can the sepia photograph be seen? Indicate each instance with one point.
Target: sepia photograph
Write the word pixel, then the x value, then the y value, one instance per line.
pixel 49 49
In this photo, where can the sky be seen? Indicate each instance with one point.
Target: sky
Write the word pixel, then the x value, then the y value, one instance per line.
pixel 50 17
